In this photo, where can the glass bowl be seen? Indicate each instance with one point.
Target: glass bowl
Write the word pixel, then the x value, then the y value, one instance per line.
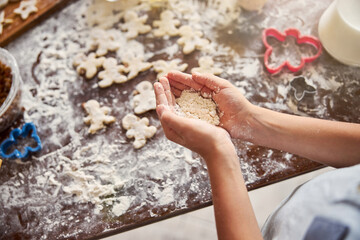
pixel 11 107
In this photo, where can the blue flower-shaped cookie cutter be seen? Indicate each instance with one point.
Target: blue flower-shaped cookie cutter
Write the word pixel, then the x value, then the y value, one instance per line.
pixel 12 140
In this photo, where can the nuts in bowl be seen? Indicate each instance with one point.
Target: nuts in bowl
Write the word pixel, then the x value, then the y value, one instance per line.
pixel 10 93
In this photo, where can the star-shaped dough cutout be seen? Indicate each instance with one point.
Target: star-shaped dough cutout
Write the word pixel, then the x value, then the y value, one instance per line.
pixel 26 8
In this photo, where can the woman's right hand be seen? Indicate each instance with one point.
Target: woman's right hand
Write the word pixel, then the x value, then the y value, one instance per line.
pixel 235 109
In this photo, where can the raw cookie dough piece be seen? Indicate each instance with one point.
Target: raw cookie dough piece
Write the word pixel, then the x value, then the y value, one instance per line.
pixel 134 25
pixel 206 65
pixel 134 65
pixel 193 105
pixel 4 21
pixel 111 73
pixel 97 116
pixel 138 128
pixel 88 65
pixel 144 100
pixel 167 25
pixel 162 67
pixel 26 8
pixel 104 41
pixel 191 40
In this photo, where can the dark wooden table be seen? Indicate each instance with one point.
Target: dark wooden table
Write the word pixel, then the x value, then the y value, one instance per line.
pixel 59 192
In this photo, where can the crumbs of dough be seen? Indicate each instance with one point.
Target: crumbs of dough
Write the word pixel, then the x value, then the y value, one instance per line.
pixel 193 105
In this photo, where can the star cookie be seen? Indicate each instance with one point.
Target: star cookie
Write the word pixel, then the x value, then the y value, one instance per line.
pixel 26 8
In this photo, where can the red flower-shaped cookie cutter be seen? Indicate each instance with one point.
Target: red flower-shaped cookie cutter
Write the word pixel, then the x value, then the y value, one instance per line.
pixel 272 32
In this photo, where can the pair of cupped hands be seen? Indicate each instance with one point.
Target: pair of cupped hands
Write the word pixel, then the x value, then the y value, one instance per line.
pixel 197 135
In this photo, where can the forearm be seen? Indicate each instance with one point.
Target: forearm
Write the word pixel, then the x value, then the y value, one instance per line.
pixel 234 215
pixel 329 142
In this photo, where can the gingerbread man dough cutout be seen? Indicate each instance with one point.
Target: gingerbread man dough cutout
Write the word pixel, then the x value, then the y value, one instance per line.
pixel 26 8
pixel 206 65
pixel 167 25
pixel 162 67
pixel 98 116
pixel 144 100
pixel 111 73
pixel 191 39
pixel 138 128
pixel 88 65
pixel 134 25
pixel 104 41
pixel 134 65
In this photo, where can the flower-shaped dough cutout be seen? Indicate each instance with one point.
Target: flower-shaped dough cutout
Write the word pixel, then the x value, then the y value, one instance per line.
pixel 28 130
pixel 138 128
pixel 301 87
pixel 4 21
pixel 206 65
pixel 111 73
pixel 309 40
pixel 144 99
pixel 134 25
pixel 25 8
pixel 162 67
pixel 104 41
pixel 88 65
pixel 191 39
pixel 134 65
pixel 167 25
pixel 97 116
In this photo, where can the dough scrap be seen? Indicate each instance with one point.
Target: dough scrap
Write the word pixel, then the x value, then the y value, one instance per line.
pixel 252 5
pixel 192 105
pixel 162 67
pixel 104 41
pixel 88 65
pixel 167 25
pixel 206 65
pixel 134 65
pixel 191 39
pixel 4 21
pixel 111 73
pixel 134 25
pixel 144 100
pixel 138 128
pixel 25 8
pixel 97 116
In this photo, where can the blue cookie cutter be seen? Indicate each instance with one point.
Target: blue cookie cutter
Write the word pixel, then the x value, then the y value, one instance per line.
pixel 14 135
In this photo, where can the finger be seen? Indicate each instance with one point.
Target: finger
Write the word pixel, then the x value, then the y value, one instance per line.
pixel 160 94
pixel 160 109
pixel 176 92
pixel 214 83
pixel 178 85
pixel 185 79
pixel 178 124
pixel 170 97
pixel 172 135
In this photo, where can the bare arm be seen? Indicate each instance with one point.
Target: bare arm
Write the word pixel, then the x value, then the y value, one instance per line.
pixel 328 142
pixel 234 215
